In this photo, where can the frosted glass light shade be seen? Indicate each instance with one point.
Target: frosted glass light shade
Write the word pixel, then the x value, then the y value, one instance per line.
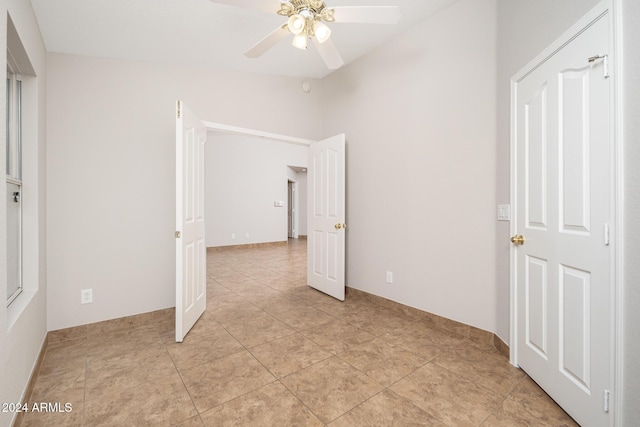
pixel 296 23
pixel 322 31
pixel 300 41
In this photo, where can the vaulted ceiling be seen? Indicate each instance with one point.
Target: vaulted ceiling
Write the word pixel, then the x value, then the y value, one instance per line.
pixel 204 34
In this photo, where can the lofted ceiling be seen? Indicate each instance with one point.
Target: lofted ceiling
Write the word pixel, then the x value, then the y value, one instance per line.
pixel 204 34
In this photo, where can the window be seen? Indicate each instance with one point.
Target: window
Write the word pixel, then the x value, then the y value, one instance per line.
pixel 14 181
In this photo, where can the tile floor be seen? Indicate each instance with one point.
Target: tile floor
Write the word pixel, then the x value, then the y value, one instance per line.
pixel 269 351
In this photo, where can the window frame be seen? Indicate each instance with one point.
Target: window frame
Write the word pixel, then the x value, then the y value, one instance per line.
pixel 14 160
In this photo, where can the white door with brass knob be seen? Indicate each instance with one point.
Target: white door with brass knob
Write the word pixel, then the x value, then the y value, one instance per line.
pixel 191 263
pixel 326 216
pixel 562 288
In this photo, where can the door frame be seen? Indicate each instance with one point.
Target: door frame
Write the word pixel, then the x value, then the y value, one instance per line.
pixel 613 8
pixel 293 206
pixel 219 127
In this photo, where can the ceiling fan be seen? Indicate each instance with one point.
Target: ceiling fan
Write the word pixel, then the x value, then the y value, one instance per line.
pixel 306 21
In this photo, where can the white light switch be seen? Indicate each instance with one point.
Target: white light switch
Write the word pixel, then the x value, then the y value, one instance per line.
pixel 504 212
pixel 278 204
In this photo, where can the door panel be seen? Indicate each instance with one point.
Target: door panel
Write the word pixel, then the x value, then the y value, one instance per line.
pixel 326 244
pixel 536 167
pixel 191 265
pixel 537 311
pixel 574 150
pixel 563 182
pixel 574 325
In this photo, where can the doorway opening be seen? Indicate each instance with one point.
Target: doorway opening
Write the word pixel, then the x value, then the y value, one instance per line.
pixel 296 202
pixel 291 230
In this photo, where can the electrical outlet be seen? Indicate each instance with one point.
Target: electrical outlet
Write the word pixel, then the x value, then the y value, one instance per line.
pixel 389 277
pixel 246 235
pixel 86 296
pixel 233 235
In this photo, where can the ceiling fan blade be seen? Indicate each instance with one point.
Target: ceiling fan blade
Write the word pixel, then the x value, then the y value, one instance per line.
pixel 367 14
pixel 329 54
pixel 268 42
pixel 269 6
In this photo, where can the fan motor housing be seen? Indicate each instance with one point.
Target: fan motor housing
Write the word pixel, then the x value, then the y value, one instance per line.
pixel 315 6
pixel 293 7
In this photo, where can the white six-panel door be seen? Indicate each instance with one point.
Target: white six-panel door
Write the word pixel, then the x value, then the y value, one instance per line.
pixel 563 208
pixel 326 216
pixel 191 265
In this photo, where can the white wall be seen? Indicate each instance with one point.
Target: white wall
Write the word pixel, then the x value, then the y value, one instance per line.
pixel 23 324
pixel 419 115
pixel 244 176
pixel 111 172
pixel 631 274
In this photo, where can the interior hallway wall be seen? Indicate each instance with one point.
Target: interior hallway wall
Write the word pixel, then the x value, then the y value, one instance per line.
pixel 419 115
pixel 111 172
pixel 244 176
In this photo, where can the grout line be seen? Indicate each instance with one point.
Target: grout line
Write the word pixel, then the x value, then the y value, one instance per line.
pixel 256 262
pixel 298 399
pixel 84 391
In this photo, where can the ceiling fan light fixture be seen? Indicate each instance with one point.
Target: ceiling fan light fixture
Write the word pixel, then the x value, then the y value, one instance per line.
pixel 296 23
pixel 309 20
pixel 300 41
pixel 286 9
pixel 322 32
pixel 327 15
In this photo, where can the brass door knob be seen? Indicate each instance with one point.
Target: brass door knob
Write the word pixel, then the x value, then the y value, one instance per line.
pixel 338 226
pixel 518 239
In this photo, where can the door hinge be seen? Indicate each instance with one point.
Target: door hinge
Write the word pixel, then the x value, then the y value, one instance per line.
pixel 607 395
pixel 607 235
pixel 178 234
pixel 605 63
pixel 179 108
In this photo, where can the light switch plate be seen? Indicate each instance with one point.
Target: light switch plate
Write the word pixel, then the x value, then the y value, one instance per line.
pixel 389 277
pixel 504 212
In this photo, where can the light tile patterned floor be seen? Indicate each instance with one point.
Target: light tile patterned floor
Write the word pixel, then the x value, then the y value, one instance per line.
pixel 269 351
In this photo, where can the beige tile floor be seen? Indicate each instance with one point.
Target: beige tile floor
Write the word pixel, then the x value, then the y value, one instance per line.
pixel 269 351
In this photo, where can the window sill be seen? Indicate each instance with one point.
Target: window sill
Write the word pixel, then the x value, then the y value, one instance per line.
pixel 18 306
